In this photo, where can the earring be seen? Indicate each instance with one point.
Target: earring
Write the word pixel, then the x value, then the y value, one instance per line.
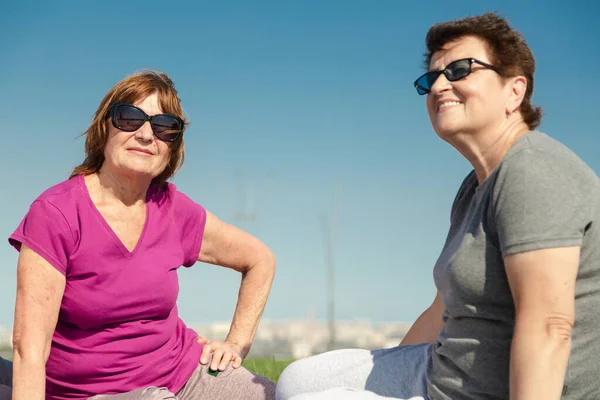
pixel 508 114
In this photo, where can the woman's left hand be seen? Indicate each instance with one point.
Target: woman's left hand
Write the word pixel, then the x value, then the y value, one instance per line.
pixel 222 354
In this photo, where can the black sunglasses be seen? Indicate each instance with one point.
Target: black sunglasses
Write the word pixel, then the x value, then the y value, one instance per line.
pixel 129 118
pixel 454 71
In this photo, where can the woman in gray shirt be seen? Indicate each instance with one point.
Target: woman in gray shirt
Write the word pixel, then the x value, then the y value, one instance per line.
pixel 516 314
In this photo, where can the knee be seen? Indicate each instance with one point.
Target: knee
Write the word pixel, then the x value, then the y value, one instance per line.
pixel 293 379
pixel 5 392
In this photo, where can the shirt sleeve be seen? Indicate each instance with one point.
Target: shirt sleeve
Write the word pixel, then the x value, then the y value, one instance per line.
pixel 191 220
pixel 538 203
pixel 45 230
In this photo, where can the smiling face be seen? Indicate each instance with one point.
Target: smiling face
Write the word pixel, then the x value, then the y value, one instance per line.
pixel 470 105
pixel 137 153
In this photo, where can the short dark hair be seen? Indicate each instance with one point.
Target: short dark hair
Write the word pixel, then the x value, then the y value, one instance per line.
pixel 509 52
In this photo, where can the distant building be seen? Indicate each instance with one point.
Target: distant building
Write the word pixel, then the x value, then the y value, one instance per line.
pixel 303 338
pixel 291 339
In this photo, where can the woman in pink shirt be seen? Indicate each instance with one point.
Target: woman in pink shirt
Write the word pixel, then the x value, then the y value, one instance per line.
pixel 96 314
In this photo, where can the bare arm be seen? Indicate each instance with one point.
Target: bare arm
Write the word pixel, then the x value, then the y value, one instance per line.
pixel 40 289
pixel 543 287
pixel 230 247
pixel 428 326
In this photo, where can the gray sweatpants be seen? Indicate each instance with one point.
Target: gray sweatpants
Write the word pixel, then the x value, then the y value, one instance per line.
pixel 395 373
pixel 229 384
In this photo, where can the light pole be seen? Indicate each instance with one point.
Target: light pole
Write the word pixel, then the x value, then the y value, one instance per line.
pixel 329 230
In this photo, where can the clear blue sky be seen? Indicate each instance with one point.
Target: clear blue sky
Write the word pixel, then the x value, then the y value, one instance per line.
pixel 293 96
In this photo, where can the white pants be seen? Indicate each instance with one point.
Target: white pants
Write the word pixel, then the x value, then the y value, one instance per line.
pixel 396 373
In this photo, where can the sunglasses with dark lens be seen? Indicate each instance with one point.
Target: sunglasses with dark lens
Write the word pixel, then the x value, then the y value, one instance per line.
pixel 129 118
pixel 454 71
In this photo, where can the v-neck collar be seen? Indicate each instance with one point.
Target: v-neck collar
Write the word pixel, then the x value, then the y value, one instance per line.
pixel 115 238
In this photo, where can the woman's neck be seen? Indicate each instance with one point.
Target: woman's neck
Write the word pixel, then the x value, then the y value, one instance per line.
pixel 124 189
pixel 485 149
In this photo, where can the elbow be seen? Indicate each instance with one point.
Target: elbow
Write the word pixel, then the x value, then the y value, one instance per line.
pixel 270 262
pixel 559 328
pixel 264 265
pixel 16 340
pixel 271 259
pixel 29 353
pixel 17 345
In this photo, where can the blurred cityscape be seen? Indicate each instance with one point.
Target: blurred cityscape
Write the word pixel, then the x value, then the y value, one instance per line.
pixel 302 338
pixel 292 339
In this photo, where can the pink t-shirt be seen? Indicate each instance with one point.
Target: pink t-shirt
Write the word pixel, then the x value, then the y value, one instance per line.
pixel 118 327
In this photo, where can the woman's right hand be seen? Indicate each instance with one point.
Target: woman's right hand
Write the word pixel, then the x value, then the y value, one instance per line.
pixel 222 354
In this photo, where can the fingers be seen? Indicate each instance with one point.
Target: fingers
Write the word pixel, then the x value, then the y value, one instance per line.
pixel 236 361
pixel 216 359
pixel 202 339
pixel 227 356
pixel 205 357
pixel 222 355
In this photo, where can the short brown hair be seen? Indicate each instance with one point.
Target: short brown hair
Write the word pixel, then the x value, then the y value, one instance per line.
pixel 130 90
pixel 510 53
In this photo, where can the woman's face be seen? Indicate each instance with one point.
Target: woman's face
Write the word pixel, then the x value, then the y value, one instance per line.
pixel 472 104
pixel 138 153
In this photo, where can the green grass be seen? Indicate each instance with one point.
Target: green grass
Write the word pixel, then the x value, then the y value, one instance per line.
pixel 268 367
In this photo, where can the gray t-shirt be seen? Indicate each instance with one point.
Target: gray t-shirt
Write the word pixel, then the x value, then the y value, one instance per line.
pixel 541 195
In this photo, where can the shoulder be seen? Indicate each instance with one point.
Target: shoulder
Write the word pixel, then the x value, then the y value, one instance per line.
pixel 63 194
pixel 187 216
pixel 539 160
pixel 537 146
pixel 51 222
pixel 170 200
pixel 61 205
pixel 543 196
pixel 541 181
pixel 168 195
